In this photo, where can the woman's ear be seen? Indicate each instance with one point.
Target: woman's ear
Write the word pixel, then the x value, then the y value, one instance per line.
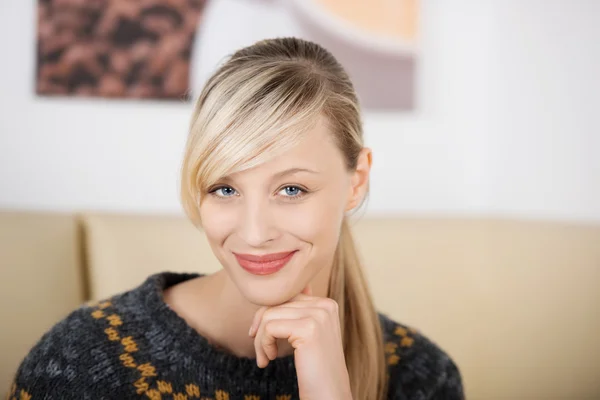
pixel 359 183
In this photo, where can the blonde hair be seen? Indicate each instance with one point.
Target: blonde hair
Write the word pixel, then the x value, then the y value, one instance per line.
pixel 257 105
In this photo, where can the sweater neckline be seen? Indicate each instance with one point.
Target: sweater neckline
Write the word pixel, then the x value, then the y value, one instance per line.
pixel 198 346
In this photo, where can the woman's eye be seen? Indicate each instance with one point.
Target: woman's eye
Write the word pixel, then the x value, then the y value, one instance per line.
pixel 293 192
pixel 228 191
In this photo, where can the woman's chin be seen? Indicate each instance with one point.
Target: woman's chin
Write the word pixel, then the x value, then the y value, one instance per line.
pixel 267 296
pixel 267 290
pixel 268 300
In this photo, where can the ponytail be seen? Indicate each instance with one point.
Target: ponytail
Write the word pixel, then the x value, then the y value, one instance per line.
pixel 362 336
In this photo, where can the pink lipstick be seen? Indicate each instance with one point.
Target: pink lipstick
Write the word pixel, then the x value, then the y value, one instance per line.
pixel 264 264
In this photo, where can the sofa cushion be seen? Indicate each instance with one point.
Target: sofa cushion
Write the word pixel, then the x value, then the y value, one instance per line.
pixel 123 249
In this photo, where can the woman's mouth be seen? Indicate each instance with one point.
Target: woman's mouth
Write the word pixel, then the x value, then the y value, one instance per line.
pixel 264 264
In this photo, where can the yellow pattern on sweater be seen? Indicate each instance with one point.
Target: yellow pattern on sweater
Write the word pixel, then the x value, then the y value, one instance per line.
pixel 154 390
pixel 391 347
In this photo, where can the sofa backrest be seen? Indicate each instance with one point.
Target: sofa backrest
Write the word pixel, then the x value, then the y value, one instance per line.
pixel 515 303
pixel 41 281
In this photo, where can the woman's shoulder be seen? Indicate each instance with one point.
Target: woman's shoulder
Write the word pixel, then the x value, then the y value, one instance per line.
pixel 53 366
pixel 417 366
pixel 80 354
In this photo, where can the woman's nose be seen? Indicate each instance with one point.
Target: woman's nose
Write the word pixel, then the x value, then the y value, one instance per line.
pixel 256 224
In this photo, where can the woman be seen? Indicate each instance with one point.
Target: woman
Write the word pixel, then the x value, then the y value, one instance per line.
pixel 273 165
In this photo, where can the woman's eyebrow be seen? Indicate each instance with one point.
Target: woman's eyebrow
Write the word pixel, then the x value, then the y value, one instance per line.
pixel 290 171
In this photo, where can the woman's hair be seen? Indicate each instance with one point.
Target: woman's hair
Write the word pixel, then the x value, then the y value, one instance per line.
pixel 258 105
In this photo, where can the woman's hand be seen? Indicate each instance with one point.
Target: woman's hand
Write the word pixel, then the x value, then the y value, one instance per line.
pixel 312 326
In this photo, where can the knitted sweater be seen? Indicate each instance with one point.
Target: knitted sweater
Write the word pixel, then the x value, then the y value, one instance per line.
pixel 134 346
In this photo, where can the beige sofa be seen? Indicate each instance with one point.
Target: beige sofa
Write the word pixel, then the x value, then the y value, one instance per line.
pixel 515 303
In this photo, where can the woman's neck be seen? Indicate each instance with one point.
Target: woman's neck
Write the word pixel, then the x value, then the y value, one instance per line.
pixel 215 308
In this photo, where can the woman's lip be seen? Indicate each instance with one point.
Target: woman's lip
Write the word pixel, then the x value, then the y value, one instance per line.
pixel 266 267
pixel 264 258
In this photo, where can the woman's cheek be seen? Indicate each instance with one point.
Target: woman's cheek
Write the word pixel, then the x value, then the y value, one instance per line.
pixel 316 221
pixel 217 222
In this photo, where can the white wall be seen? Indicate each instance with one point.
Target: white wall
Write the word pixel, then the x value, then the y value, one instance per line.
pixel 508 91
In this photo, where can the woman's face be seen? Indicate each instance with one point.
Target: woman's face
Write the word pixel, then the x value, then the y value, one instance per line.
pixel 293 203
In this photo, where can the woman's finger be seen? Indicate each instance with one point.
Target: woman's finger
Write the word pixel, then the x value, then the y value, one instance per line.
pixel 261 358
pixel 290 329
pixel 273 330
pixel 258 315
pixel 256 320
pixel 266 348
pixel 325 303
pixel 263 315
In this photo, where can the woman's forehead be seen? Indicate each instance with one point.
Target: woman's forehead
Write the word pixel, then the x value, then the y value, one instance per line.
pixel 314 155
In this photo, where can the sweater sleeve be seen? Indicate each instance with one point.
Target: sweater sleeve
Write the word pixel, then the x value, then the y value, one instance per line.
pixel 67 362
pixel 418 369
pixel 449 385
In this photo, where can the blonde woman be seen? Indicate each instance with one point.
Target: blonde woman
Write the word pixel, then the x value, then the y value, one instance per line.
pixel 273 166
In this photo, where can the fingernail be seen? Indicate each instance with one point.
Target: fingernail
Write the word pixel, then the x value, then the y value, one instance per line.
pixel 250 331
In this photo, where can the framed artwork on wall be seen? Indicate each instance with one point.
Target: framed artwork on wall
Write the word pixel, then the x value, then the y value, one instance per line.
pixel 119 49
pixel 166 49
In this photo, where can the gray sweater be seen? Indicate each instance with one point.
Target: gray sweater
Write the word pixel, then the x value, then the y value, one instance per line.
pixel 134 346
